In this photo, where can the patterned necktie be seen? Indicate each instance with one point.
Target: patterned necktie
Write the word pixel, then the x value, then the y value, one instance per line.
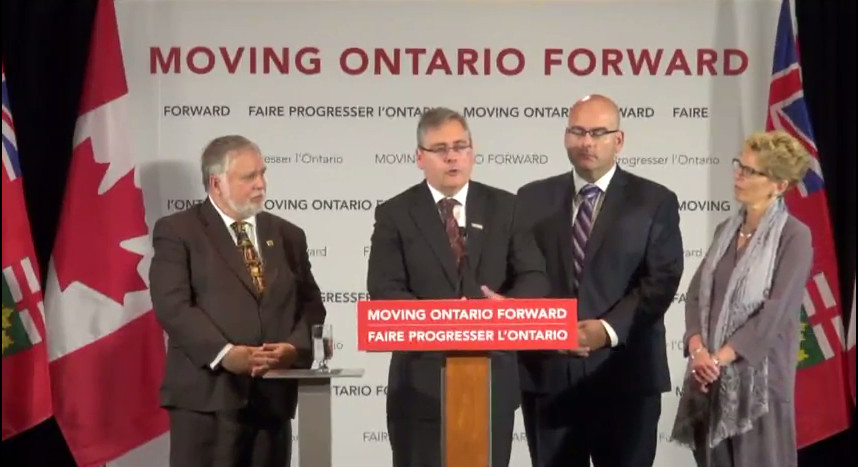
pixel 451 226
pixel 582 226
pixel 248 252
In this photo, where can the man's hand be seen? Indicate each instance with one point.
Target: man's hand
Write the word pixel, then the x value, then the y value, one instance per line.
pixel 276 355
pixel 240 360
pixel 592 334
pixel 582 350
pixel 491 294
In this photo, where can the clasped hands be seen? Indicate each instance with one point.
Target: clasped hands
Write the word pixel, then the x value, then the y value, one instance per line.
pixel 592 334
pixel 256 361
pixel 706 368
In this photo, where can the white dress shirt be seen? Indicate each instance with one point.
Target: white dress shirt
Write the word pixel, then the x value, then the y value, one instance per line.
pixel 602 183
pixel 253 234
pixel 461 197
pixel 251 227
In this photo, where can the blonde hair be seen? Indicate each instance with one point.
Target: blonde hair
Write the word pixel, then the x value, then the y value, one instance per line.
pixel 781 156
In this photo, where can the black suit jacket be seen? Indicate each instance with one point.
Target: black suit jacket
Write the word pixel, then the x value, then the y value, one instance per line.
pixel 204 298
pixel 411 259
pixel 632 268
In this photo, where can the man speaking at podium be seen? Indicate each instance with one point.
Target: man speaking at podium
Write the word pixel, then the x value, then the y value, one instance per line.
pixel 612 240
pixel 448 238
pixel 232 287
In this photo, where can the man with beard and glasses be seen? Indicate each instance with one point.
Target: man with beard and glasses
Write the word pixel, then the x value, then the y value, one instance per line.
pixel 232 287
pixel 610 239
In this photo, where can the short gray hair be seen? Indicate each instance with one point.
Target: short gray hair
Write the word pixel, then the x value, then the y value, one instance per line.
pixel 436 117
pixel 218 153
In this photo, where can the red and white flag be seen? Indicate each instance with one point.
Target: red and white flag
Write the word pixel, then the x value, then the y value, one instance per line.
pixel 26 381
pixel 106 350
pixel 821 397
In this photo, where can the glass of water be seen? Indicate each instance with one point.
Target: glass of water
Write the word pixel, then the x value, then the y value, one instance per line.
pixel 323 344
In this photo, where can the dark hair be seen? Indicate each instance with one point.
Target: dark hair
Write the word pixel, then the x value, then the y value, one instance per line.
pixel 436 117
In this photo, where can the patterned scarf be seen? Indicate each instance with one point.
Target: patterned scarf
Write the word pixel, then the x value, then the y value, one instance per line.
pixel 742 392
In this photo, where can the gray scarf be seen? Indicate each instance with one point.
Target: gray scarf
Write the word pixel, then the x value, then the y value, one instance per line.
pixel 742 391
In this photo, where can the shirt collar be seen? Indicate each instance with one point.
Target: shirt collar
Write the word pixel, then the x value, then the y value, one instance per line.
pixel 461 196
pixel 229 220
pixel 602 182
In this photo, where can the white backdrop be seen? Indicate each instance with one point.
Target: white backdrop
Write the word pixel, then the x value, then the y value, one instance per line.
pixel 328 168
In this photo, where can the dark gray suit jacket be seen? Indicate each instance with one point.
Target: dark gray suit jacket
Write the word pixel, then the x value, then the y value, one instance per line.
pixel 203 297
pixel 411 259
pixel 632 268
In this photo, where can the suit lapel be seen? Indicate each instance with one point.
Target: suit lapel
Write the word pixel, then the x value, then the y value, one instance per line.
pixel 611 208
pixel 267 247
pixel 428 220
pixel 476 214
pixel 563 192
pixel 220 237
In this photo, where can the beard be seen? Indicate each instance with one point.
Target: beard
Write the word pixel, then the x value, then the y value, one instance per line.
pixel 245 209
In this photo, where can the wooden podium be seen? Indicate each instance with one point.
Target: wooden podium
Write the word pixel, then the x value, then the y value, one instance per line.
pixel 466 391
pixel 466 440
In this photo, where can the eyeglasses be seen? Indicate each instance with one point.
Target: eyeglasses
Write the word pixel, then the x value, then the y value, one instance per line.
pixel 745 170
pixel 594 133
pixel 445 150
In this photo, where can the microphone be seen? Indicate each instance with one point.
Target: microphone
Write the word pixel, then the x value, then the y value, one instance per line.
pixel 459 214
pixel 464 268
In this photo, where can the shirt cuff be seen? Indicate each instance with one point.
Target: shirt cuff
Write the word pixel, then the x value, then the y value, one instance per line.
pixel 611 333
pixel 216 362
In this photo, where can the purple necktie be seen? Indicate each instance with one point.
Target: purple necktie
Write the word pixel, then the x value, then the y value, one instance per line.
pixel 582 226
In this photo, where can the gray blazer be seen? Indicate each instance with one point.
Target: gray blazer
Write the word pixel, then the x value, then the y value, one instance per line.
pixel 774 332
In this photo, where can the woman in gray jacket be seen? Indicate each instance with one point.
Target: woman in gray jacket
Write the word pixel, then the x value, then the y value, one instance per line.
pixel 743 318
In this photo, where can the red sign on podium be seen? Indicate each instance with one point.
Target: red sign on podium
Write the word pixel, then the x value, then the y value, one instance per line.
pixel 449 325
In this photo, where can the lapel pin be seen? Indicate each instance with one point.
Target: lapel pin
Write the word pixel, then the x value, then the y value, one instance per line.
pixel 477 226
pixel 269 242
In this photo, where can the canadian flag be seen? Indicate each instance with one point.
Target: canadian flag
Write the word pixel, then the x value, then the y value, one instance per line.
pixel 106 350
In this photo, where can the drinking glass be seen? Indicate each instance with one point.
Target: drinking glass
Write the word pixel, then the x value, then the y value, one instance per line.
pixel 323 344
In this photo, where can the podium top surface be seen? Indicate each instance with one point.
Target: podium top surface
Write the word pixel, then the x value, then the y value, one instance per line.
pixel 315 373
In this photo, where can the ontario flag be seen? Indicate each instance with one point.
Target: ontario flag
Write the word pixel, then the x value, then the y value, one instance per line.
pixel 26 381
pixel 107 352
pixel 822 407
